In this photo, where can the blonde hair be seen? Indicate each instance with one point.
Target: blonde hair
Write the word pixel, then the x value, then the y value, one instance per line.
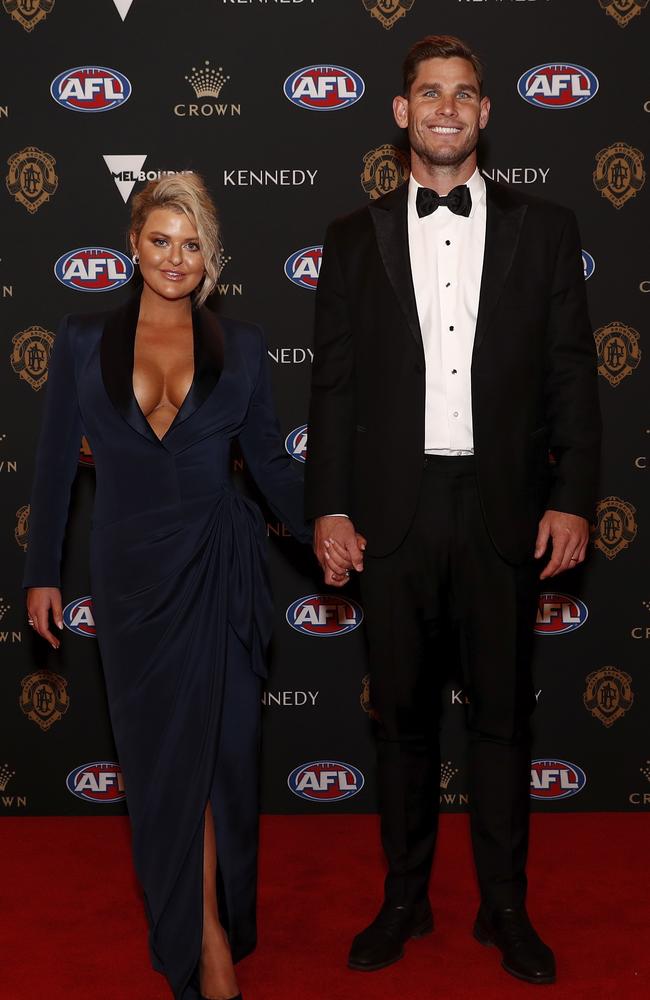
pixel 185 193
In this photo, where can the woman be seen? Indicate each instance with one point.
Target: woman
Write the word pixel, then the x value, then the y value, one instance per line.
pixel 180 591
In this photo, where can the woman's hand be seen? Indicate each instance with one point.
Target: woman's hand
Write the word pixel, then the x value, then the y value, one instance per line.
pixel 40 600
pixel 339 561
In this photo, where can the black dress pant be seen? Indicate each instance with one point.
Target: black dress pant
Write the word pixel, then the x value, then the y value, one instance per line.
pixel 446 577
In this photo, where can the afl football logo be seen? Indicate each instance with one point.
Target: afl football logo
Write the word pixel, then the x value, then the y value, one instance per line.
pixel 90 88
pixel 303 267
pixel 324 615
pixel 555 779
pixel 296 443
pixel 100 781
pixel 324 88
pixel 78 617
pixel 558 614
pixel 557 86
pixel 325 781
pixel 94 269
pixel 588 264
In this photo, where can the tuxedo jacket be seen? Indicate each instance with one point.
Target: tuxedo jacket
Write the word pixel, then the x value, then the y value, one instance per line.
pixel 535 405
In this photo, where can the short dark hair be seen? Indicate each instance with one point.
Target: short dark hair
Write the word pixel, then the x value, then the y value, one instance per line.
pixel 438 47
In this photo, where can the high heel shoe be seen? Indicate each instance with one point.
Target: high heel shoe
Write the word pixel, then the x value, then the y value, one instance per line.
pixel 238 997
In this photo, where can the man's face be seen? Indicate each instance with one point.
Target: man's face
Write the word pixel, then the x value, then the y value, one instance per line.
pixel 443 112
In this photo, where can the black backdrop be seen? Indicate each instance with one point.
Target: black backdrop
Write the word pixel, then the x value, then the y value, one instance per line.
pixel 279 172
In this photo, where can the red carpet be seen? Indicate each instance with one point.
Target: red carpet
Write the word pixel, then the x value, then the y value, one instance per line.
pixel 72 926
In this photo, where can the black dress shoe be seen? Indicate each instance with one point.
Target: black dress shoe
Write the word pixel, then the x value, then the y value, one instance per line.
pixel 524 953
pixel 382 943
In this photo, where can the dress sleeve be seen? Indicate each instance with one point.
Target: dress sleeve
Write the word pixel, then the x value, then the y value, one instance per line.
pixel 57 458
pixel 277 475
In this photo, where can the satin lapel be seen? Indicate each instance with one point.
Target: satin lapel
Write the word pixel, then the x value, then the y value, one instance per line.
pixel 116 358
pixel 389 216
pixel 504 220
pixel 208 363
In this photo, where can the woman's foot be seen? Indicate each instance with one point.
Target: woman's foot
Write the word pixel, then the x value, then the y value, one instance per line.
pixel 216 970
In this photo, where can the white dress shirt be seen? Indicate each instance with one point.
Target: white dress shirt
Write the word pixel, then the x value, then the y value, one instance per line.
pixel 446 252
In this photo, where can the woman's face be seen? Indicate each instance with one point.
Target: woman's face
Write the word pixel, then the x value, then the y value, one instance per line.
pixel 171 262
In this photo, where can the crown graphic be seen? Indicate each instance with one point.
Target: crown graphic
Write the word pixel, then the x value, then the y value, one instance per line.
pixel 447 772
pixel 646 605
pixel 6 774
pixel 3 608
pixel 207 82
pixel 645 770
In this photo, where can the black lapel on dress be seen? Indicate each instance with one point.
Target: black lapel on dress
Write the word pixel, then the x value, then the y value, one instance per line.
pixel 505 216
pixel 208 363
pixel 116 359
pixel 389 215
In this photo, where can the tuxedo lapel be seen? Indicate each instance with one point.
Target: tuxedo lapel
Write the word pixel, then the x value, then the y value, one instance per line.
pixel 390 219
pixel 117 357
pixel 504 219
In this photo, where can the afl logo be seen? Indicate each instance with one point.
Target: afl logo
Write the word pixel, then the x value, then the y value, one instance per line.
pixel 94 269
pixel 303 267
pixel 78 617
pixel 324 88
pixel 324 615
pixel 557 86
pixel 558 614
pixel 90 88
pixel 325 781
pixel 555 779
pixel 101 782
pixel 588 264
pixel 296 443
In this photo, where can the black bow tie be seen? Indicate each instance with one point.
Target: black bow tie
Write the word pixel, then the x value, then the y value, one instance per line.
pixel 458 201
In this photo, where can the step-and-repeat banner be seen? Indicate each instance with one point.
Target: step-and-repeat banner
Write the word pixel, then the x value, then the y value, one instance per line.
pixel 285 107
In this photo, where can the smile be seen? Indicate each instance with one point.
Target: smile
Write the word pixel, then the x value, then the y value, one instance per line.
pixel 174 275
pixel 445 129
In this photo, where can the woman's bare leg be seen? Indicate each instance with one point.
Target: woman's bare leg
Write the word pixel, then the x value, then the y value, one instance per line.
pixel 216 971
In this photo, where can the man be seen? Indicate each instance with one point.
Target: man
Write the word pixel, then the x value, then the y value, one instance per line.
pixel 453 349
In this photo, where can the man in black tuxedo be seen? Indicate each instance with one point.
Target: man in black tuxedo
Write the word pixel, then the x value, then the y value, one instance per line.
pixel 453 358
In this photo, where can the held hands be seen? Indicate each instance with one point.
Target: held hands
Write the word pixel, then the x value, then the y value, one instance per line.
pixel 40 600
pixel 338 548
pixel 569 535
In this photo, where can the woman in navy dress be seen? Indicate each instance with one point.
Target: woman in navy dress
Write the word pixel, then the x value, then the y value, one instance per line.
pixel 178 572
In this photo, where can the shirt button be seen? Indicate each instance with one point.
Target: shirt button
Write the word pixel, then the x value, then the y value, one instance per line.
pixel 454 371
pixel 451 328
pixel 448 284
pixel 455 413
pixel 447 243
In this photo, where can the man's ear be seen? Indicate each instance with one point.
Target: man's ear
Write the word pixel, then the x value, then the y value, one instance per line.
pixel 401 111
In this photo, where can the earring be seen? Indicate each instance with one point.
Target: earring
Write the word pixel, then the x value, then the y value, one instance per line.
pixel 136 259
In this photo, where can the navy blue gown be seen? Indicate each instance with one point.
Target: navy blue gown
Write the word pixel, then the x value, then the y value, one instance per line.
pixel 181 602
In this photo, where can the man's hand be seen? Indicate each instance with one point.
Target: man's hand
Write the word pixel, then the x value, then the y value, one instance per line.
pixel 40 600
pixel 338 548
pixel 569 535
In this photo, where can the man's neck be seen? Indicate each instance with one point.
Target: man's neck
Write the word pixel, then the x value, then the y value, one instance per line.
pixel 442 178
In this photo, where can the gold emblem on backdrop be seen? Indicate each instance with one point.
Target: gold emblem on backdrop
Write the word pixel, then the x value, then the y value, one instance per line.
pixel 618 351
pixel 447 772
pixel 44 698
pixel 608 695
pixel 32 179
pixel 366 704
pixel 6 774
pixel 623 10
pixel 21 531
pixel 615 527
pixel 31 353
pixel 384 169
pixel 28 13
pixel 619 173
pixel 388 12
